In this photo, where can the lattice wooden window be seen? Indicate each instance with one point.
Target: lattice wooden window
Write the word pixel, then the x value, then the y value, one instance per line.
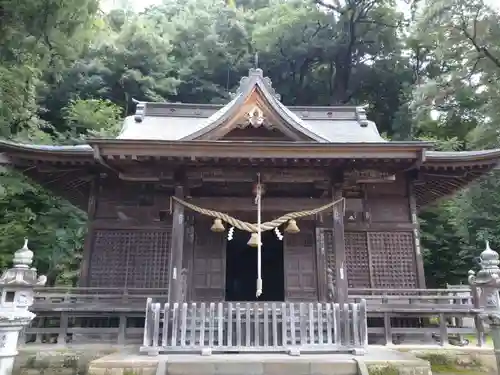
pixel 108 262
pixel 148 259
pixel 393 259
pixel 133 259
pixel 357 261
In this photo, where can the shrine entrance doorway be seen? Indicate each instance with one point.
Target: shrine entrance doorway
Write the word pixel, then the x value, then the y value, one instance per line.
pixel 241 268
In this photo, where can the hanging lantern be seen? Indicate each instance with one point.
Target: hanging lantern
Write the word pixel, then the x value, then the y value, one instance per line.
pixel 254 240
pixel 292 227
pixel 217 226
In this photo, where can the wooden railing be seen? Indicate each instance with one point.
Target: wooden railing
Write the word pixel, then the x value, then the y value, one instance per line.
pixel 97 299
pixel 255 327
pixel 378 300
pixel 80 315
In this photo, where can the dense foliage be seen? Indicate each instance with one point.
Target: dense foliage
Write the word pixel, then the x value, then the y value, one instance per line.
pixel 426 71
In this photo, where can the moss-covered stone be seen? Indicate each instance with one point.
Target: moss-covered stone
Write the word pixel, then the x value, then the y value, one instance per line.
pixel 60 361
pixel 448 363
pixel 387 369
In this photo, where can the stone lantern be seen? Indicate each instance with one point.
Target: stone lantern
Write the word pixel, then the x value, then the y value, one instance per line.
pixel 16 296
pixel 487 280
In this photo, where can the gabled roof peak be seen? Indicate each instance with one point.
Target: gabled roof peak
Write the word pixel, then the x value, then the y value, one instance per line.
pixel 256 77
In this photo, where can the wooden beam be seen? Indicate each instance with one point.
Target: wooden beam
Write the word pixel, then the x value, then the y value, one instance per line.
pixel 176 249
pixel 259 150
pixel 341 285
pixel 268 175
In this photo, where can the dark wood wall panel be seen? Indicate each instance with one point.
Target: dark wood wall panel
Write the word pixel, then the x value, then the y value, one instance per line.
pixel 132 203
pixel 209 263
pixel 389 209
pixel 135 258
pixel 394 188
pixel 393 259
pixel 388 202
pixel 300 265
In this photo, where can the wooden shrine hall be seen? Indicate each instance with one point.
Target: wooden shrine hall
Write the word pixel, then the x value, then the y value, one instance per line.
pixel 210 156
pixel 162 198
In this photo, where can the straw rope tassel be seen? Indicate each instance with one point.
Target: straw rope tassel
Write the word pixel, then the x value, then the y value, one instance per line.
pixel 258 200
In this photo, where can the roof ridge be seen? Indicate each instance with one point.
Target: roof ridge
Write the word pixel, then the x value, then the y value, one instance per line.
pixel 257 74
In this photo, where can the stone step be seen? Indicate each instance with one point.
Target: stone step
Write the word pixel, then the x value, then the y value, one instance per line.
pixel 126 362
pixel 260 364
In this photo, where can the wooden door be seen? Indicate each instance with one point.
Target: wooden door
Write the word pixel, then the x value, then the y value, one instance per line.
pixel 209 263
pixel 300 265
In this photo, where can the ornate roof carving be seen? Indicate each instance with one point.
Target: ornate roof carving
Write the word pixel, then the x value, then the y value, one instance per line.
pixel 255 74
pixel 255 116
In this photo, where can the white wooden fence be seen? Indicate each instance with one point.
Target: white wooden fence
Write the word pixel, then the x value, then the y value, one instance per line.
pixel 255 327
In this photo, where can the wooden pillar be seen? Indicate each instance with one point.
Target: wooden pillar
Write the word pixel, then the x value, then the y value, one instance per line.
pixel 416 236
pixel 341 292
pixel 321 268
pixel 176 249
pixel 188 257
pixel 122 329
pixel 83 280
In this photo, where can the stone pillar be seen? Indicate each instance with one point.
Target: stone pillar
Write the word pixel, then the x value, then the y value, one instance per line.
pixel 17 290
pixel 487 280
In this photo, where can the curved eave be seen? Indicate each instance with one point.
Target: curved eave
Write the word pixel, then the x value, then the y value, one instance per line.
pixel 460 157
pixel 66 171
pixel 262 150
pixel 445 173
pixel 17 153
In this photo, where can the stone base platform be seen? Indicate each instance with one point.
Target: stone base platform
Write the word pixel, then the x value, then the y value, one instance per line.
pixel 376 360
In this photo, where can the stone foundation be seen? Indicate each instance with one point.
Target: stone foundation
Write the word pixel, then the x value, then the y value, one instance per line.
pixel 126 363
pixel 119 360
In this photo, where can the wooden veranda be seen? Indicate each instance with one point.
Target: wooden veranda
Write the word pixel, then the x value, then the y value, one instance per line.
pixel 117 316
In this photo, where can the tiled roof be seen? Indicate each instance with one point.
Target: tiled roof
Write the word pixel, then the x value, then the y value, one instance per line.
pixel 170 122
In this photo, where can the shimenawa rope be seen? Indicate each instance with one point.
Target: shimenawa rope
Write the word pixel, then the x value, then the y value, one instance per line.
pixel 252 228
